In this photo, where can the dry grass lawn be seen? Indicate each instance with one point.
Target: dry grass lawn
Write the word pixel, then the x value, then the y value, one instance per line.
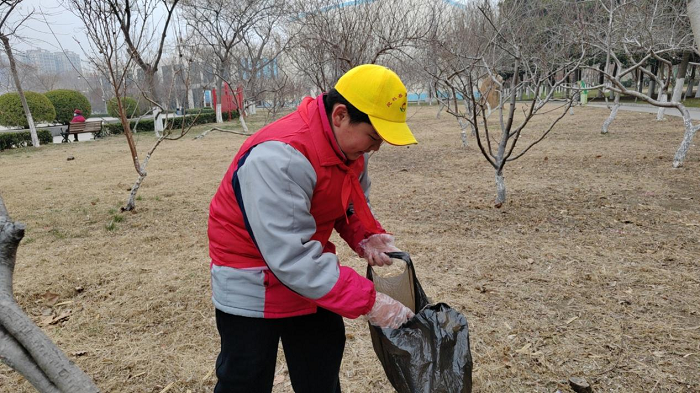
pixel 590 269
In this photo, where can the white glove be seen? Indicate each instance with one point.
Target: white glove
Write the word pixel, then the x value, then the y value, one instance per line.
pixel 374 247
pixel 388 313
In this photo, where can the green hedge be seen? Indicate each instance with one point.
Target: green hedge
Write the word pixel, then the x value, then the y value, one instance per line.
pixel 176 122
pixel 234 114
pixel 9 140
pixel 12 113
pixel 194 111
pixel 66 102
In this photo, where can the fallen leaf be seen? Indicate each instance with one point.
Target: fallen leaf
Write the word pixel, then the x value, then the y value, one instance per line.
pixel 79 353
pixel 50 298
pixel 46 320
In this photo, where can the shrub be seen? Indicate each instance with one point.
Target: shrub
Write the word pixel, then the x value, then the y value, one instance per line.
pixel 9 140
pixel 176 122
pixel 67 101
pixel 12 113
pixel 194 111
pixel 129 104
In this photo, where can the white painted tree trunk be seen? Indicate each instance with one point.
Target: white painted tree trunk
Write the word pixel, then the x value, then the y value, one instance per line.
pixel 694 16
pixel 23 345
pixel 500 189
pixel 613 114
pixel 157 122
pixel 663 97
pixel 680 78
pixel 243 124
pixel 190 99
pixel 219 118
pixel 463 124
pixel 697 91
pixel 20 91
pixel 678 90
pixel 690 131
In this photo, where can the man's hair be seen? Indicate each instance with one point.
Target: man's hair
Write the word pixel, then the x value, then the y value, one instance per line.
pixel 333 97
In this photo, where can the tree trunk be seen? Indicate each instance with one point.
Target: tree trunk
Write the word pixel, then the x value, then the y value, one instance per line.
pixel 663 97
pixel 693 9
pixel 190 99
pixel 640 81
pixel 131 202
pixel 691 80
pixel 680 78
pixel 613 114
pixel 463 131
pixel 652 81
pixel 152 94
pixel 220 92
pixel 243 125
pixel 500 189
pixel 601 80
pixel 23 346
pixel 18 85
pixel 690 131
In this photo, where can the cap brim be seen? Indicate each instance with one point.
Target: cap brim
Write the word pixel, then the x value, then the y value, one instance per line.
pixel 397 134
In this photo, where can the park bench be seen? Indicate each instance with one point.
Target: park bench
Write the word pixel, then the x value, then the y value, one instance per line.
pixel 95 127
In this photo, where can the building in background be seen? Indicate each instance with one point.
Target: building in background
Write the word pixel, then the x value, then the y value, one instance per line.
pixel 52 62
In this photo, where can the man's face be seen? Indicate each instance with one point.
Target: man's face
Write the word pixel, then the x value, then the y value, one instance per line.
pixel 354 139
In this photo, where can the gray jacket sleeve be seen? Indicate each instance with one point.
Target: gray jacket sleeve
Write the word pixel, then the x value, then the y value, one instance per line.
pixel 277 184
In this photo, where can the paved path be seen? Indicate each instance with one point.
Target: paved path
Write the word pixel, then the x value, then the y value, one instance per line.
pixel 646 108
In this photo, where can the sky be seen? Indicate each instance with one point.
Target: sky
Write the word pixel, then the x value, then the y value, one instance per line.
pixel 66 26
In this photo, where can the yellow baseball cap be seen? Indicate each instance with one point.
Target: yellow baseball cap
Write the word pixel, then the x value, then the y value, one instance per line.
pixel 378 92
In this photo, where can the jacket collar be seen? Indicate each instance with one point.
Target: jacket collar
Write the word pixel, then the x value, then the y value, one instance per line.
pixel 313 112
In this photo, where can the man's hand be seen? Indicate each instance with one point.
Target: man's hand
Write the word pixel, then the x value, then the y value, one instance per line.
pixel 374 247
pixel 388 313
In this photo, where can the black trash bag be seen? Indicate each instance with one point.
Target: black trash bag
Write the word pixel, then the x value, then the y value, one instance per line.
pixel 430 352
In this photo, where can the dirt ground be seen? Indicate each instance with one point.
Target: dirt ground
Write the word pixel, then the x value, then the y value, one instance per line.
pixel 589 270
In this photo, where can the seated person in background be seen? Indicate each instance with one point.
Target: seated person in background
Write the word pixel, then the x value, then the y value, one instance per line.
pixel 77 118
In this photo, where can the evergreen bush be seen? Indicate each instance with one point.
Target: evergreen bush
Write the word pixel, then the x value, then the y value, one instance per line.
pixel 176 122
pixel 12 113
pixel 9 140
pixel 65 102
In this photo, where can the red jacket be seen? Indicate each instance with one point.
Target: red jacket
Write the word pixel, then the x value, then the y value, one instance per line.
pixel 234 252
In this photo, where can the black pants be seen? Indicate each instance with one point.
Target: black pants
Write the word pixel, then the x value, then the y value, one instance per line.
pixel 313 346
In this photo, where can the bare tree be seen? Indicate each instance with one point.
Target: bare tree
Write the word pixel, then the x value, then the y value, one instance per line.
pixel 522 43
pixel 23 345
pixel 658 30
pixel 633 29
pixel 140 30
pixel 333 36
pixel 257 67
pixel 221 25
pixel 8 29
